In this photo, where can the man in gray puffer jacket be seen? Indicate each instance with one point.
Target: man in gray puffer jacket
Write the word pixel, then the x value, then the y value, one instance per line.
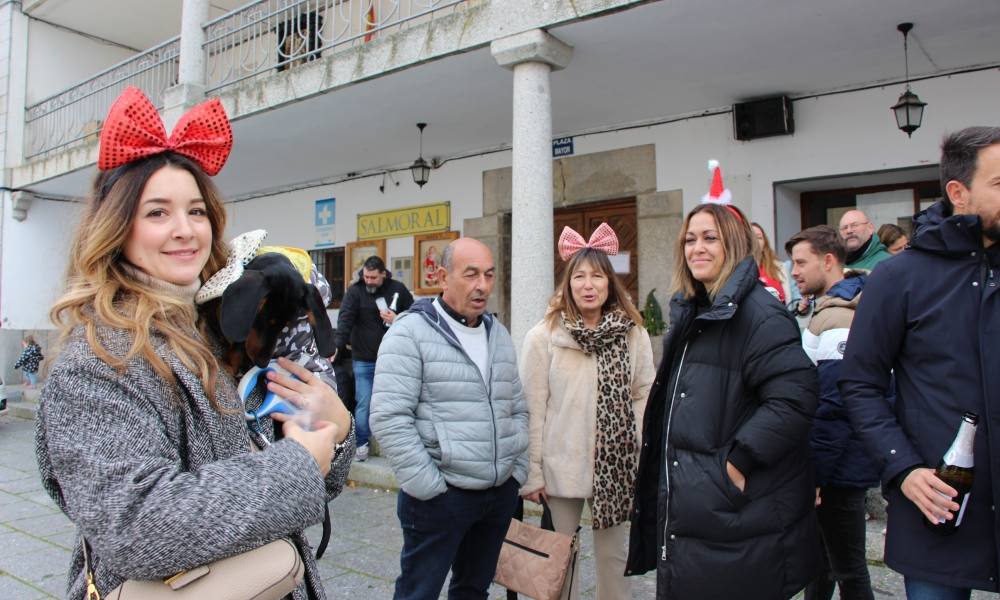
pixel 448 410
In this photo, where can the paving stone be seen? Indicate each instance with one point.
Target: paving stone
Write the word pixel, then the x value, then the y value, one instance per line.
pixel 358 585
pixel 66 539
pixel 328 569
pixel 362 560
pixel 45 525
pixel 27 484
pixel 17 543
pixel 24 509
pixel 372 560
pixel 46 569
pixel 8 474
pixel 12 588
pixel 40 497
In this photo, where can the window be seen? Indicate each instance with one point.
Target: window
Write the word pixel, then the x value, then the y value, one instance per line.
pixel 299 39
pixel 331 264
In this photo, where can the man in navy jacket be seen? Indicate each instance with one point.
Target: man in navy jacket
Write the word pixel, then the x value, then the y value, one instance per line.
pixel 844 471
pixel 931 315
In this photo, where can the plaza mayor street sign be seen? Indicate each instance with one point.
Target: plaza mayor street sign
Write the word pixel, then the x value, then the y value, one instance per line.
pixel 403 222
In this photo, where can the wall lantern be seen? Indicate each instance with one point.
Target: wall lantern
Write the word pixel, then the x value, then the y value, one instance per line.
pixel 421 169
pixel 909 110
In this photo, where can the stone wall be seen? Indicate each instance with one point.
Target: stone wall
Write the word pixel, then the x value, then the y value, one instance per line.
pixel 610 175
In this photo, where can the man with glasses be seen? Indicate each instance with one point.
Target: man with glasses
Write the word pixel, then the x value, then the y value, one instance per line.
pixel 864 249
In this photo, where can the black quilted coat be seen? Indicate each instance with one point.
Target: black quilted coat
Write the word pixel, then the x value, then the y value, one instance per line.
pixel 734 385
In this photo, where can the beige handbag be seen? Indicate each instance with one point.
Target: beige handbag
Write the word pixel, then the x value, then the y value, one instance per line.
pixel 270 572
pixel 536 562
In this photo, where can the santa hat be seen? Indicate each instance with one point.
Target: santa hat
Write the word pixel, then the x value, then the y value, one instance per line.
pixel 717 194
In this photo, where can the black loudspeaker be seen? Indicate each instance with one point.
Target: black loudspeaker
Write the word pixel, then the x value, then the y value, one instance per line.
pixel 763 118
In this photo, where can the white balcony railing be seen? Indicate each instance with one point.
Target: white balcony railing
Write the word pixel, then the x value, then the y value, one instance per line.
pixel 77 113
pixel 273 35
pixel 260 38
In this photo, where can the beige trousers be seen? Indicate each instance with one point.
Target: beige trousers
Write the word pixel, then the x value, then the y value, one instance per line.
pixel 610 551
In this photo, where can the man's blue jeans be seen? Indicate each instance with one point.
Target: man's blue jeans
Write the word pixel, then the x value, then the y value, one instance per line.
pixel 918 589
pixel 364 377
pixel 459 530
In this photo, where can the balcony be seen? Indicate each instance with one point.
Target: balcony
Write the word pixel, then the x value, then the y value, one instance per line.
pixel 255 41
pixel 274 35
pixel 75 116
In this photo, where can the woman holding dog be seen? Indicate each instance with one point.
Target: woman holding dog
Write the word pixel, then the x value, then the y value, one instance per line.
pixel 724 494
pixel 586 369
pixel 140 435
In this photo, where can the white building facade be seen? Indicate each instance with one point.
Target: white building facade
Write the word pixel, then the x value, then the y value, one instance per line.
pixel 539 114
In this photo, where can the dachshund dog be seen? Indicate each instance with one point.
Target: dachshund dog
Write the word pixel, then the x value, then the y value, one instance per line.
pixel 260 315
pixel 269 296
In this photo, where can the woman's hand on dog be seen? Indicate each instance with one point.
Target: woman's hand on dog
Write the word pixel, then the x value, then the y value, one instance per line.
pixel 319 441
pixel 310 393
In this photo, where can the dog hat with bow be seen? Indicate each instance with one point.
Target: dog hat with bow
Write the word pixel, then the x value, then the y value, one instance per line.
pixel 242 249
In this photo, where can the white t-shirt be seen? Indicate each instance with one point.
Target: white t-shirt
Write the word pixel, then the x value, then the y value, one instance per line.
pixel 473 340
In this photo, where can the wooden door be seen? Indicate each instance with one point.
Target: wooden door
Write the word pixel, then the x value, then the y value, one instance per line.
pixel 621 216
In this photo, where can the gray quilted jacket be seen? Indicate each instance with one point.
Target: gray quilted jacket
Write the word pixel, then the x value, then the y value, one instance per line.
pixel 436 418
pixel 158 480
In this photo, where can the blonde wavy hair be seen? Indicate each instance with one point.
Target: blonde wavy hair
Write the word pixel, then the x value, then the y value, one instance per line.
pixel 100 291
pixel 737 241
pixel 562 300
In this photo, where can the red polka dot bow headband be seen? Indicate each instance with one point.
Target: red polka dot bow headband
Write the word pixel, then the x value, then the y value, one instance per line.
pixel 603 239
pixel 134 130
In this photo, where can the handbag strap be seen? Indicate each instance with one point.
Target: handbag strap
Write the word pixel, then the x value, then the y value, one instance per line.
pixel 92 593
pixel 327 528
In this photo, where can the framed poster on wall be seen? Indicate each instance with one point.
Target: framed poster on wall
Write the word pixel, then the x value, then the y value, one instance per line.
pixel 355 255
pixel 427 251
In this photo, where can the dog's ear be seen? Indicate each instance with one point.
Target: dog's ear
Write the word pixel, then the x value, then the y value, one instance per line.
pixel 322 328
pixel 240 305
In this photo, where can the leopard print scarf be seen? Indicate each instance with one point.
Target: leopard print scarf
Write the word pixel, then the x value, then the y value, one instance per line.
pixel 615 448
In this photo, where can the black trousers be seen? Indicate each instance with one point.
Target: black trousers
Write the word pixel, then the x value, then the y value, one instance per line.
pixel 841 517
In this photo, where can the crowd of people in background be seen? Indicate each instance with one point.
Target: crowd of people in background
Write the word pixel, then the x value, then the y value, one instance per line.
pixel 736 468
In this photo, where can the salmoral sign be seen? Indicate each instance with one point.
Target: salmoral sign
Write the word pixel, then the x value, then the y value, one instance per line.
pixel 403 222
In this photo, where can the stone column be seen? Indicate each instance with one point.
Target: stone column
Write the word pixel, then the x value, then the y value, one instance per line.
pixel 190 88
pixel 532 55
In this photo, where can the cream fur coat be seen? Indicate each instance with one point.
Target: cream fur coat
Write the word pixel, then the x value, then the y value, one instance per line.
pixel 560 384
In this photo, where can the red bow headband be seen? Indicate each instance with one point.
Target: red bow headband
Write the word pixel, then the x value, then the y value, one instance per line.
pixel 134 130
pixel 603 239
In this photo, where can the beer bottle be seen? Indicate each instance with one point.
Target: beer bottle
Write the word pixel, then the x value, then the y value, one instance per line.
pixel 956 469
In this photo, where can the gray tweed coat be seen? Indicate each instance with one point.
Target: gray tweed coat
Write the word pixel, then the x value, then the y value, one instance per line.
pixel 159 481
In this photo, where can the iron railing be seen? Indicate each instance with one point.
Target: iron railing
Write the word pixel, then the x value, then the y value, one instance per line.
pixel 76 114
pixel 257 39
pixel 273 35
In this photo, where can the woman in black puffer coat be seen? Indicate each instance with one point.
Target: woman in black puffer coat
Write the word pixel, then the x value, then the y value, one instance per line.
pixel 724 498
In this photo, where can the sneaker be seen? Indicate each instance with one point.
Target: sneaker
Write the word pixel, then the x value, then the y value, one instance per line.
pixel 3 404
pixel 362 453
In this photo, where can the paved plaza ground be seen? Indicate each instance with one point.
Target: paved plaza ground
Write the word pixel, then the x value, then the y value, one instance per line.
pixel 361 562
